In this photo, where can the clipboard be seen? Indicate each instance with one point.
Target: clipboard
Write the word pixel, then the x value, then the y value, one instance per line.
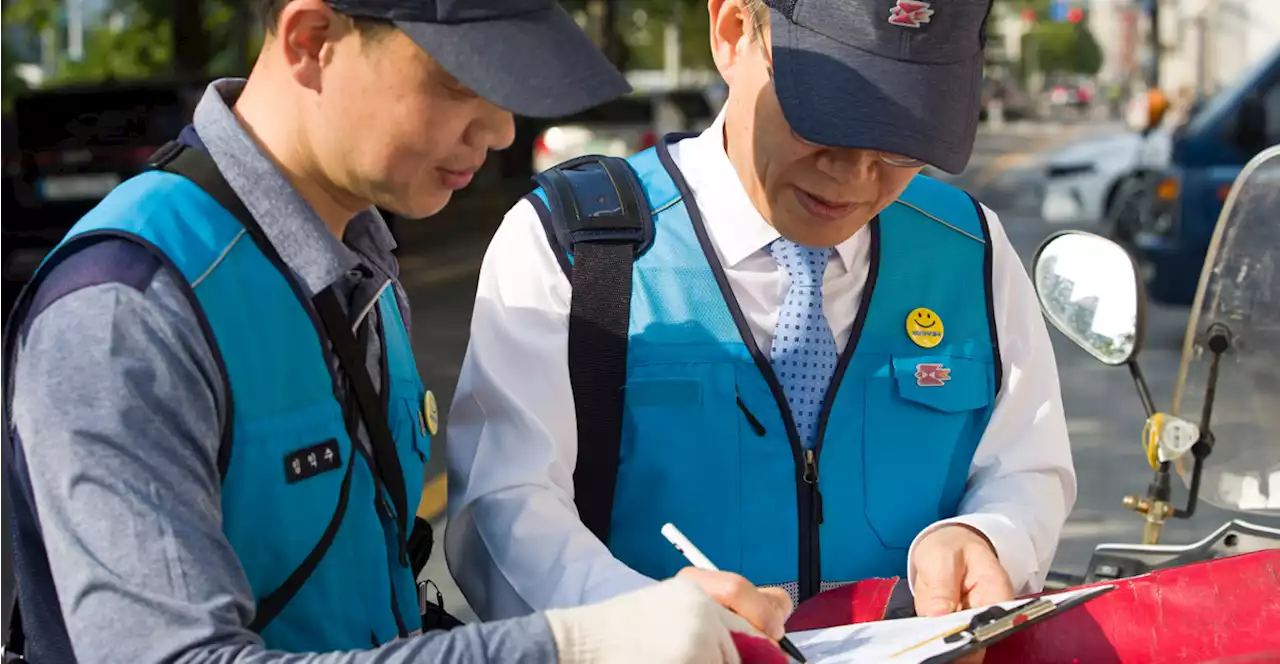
pixel 996 623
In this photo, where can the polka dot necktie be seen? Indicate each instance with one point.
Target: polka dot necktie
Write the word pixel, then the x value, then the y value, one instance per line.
pixel 803 351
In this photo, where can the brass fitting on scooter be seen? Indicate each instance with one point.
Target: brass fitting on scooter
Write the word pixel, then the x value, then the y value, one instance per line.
pixel 1156 512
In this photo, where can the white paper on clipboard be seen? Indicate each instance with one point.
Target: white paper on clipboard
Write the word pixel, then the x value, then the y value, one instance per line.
pixel 886 640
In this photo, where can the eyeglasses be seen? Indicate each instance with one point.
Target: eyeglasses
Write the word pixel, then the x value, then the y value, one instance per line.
pixel 894 160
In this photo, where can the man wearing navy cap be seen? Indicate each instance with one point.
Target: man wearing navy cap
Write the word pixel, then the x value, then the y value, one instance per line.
pixel 821 365
pixel 215 430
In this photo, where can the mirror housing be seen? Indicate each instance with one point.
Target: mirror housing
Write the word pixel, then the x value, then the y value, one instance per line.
pixel 1090 291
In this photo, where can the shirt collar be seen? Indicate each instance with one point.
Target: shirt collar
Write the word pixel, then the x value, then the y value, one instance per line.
pixel 736 227
pixel 290 224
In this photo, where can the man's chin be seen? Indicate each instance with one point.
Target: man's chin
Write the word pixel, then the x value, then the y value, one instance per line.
pixel 814 233
pixel 418 209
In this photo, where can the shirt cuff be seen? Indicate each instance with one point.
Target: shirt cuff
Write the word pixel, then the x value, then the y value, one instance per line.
pixel 1013 549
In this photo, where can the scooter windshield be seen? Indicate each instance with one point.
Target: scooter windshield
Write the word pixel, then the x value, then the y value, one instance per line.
pixel 1239 289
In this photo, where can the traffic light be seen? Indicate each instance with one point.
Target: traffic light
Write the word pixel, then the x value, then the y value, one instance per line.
pixel 1075 15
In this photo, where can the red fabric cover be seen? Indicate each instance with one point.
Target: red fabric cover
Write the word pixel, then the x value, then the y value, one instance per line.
pixel 756 650
pixel 1225 610
pixel 864 601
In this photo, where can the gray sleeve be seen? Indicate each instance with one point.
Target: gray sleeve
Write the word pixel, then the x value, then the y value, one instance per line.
pixel 117 402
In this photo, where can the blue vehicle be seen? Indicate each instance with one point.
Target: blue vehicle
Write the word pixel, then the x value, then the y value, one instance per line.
pixel 1209 152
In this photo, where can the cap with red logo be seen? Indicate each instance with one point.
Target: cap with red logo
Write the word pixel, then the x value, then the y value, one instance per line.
pixel 901 76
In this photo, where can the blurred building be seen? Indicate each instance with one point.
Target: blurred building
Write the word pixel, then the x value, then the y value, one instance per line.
pixel 1117 25
pixel 1205 45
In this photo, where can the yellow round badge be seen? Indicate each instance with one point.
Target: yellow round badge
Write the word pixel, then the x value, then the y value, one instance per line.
pixel 431 413
pixel 924 327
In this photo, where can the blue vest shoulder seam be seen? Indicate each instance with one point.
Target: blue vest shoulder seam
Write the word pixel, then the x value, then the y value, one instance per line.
pixel 222 255
pixel 665 206
pixel 944 222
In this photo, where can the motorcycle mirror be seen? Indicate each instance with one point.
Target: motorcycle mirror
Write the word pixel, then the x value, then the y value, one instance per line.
pixel 1089 289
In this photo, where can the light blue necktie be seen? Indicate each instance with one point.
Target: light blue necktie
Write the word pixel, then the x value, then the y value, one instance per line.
pixel 803 351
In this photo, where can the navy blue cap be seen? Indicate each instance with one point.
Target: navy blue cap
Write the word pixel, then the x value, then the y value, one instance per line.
pixel 900 76
pixel 527 56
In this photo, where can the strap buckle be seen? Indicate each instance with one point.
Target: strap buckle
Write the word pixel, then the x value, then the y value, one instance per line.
pixel 166 154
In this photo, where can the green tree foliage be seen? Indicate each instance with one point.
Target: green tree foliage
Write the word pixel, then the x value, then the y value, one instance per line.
pixel 1064 48
pixel 145 38
pixel 639 25
pixel 11 84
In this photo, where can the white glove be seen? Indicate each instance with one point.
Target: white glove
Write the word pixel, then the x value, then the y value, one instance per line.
pixel 673 621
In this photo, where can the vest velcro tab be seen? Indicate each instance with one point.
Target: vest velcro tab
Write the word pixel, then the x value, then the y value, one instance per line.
pixel 595 198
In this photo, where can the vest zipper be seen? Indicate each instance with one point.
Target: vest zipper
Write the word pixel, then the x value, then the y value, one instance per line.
pixel 814 568
pixel 811 479
pixel 808 500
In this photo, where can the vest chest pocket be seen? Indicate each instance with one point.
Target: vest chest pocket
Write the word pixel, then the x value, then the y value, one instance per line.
pixel 924 418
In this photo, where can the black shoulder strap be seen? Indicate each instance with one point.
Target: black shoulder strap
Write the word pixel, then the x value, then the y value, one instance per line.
pixel 602 217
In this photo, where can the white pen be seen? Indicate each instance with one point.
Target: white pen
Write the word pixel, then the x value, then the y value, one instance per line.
pixel 684 546
pixel 695 558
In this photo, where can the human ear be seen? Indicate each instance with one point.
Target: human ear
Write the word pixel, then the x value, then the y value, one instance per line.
pixel 306 33
pixel 731 34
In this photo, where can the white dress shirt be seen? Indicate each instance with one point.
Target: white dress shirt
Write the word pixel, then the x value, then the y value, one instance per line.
pixel 514 541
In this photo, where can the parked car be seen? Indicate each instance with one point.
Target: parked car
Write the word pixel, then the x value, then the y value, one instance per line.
pixel 1081 180
pixel 73 145
pixel 1208 153
pixel 1015 103
pixel 623 127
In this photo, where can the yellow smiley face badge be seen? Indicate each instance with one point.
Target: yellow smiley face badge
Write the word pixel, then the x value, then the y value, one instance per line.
pixel 430 413
pixel 924 327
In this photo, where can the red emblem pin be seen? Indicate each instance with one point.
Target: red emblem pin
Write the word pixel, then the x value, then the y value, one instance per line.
pixel 932 375
pixel 910 13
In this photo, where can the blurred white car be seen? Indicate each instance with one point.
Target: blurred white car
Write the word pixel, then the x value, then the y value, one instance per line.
pixel 1082 180
pixel 623 127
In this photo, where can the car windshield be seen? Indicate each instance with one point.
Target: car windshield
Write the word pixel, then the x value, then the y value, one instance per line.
pixel 1205 111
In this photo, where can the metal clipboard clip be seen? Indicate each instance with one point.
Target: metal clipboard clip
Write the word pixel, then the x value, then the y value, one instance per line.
pixel 996 621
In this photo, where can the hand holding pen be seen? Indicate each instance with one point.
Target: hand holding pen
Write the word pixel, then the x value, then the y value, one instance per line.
pixel 733 591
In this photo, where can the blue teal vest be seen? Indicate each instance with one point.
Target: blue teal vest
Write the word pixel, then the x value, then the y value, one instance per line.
pixel 282 401
pixel 894 449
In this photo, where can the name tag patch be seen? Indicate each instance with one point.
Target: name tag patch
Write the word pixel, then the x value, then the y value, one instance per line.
pixel 311 461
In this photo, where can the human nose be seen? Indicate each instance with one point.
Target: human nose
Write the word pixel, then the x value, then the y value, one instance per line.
pixel 849 164
pixel 496 128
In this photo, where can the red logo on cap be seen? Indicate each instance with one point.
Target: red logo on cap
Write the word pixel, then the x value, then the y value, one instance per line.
pixel 910 13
